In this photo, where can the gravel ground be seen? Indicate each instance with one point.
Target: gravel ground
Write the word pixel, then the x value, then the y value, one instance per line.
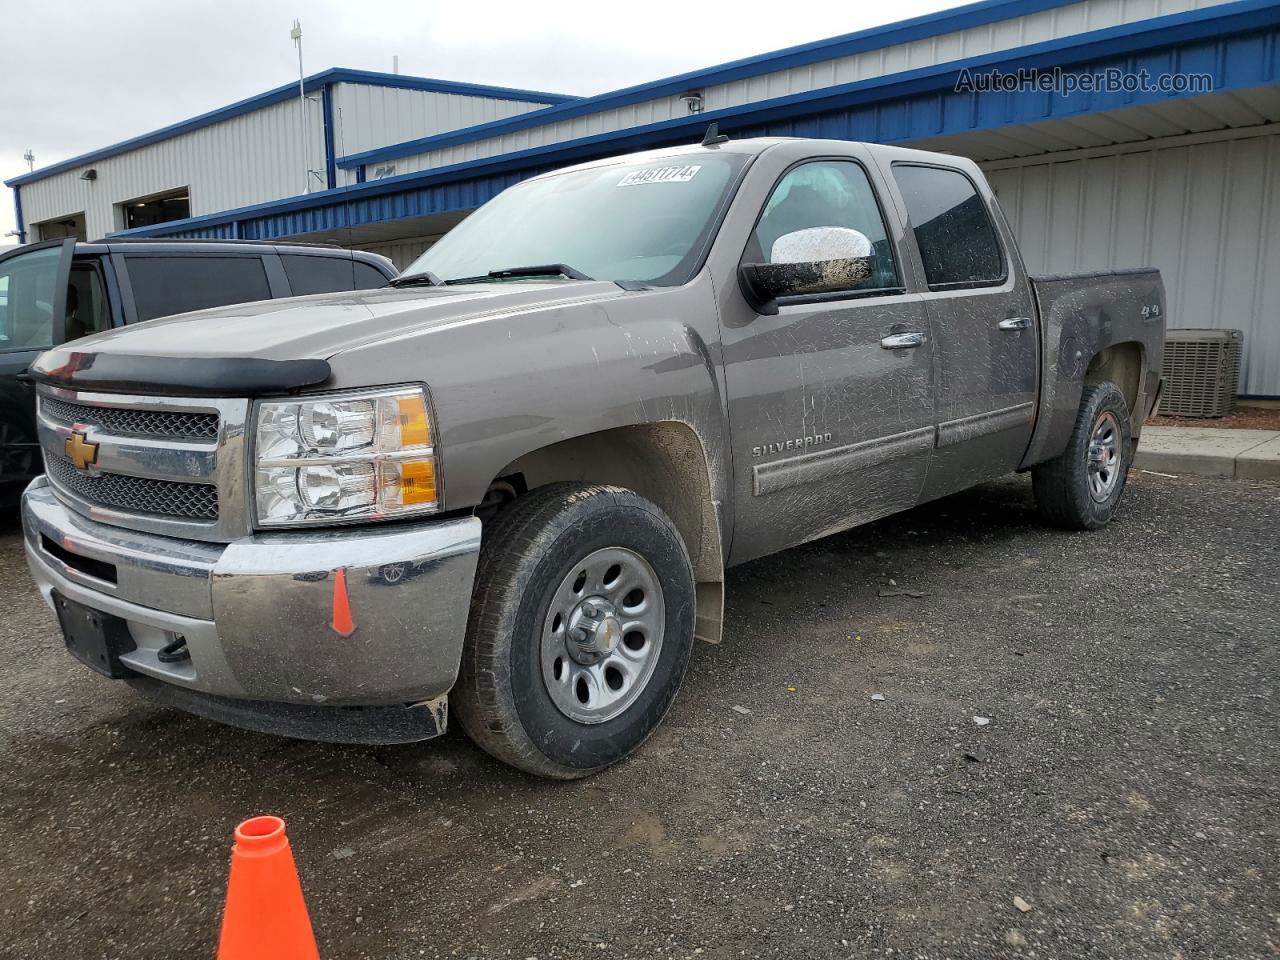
pixel 1126 786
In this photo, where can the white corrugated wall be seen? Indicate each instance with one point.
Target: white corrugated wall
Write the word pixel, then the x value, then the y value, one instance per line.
pixel 248 159
pixel 255 157
pixel 1206 213
pixel 1045 25
pixel 368 116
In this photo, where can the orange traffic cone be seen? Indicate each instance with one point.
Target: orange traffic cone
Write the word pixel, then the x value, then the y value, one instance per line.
pixel 343 623
pixel 265 917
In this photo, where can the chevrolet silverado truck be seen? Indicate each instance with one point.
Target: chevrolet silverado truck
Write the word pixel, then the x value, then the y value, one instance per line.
pixel 115 282
pixel 506 488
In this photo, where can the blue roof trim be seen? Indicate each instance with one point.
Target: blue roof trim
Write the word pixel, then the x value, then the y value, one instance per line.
pixel 903 31
pixel 910 105
pixel 377 79
pixel 287 92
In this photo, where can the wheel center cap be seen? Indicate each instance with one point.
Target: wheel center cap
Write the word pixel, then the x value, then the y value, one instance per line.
pixel 594 630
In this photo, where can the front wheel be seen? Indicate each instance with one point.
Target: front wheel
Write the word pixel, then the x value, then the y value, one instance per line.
pixel 580 632
pixel 1081 489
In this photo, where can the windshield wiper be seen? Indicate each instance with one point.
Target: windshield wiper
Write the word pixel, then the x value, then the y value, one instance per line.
pixel 538 270
pixel 424 279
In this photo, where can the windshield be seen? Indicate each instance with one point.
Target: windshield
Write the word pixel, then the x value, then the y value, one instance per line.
pixel 27 283
pixel 642 222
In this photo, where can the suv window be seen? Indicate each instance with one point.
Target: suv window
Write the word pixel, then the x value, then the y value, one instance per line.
pixel 167 285
pixel 826 193
pixel 87 308
pixel 328 274
pixel 27 283
pixel 953 230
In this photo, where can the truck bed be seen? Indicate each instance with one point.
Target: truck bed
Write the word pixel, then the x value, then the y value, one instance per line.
pixel 1080 315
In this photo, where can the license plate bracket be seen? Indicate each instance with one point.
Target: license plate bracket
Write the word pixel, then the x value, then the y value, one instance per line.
pixel 94 638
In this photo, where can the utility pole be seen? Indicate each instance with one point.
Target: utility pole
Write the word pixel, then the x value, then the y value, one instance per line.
pixel 296 35
pixel 31 160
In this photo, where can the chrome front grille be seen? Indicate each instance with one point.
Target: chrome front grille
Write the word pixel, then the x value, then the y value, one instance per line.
pixel 170 465
pixel 164 498
pixel 134 423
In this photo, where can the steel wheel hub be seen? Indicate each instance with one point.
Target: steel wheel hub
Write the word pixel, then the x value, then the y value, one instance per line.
pixel 1104 456
pixel 602 635
pixel 594 630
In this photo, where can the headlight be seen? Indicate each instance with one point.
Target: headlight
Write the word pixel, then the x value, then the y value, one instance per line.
pixel 352 456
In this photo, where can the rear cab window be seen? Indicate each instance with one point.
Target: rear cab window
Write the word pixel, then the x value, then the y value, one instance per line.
pixel 952 227
pixel 165 285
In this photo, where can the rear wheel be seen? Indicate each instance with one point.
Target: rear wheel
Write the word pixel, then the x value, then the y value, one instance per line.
pixel 1081 489
pixel 580 632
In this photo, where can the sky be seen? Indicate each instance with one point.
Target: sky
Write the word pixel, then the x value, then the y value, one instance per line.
pixel 80 76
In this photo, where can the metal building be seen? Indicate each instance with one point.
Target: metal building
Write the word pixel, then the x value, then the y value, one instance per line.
pixel 1186 179
pixel 251 152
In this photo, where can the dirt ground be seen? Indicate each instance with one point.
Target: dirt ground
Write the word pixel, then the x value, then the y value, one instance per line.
pixel 1126 786
pixel 1241 418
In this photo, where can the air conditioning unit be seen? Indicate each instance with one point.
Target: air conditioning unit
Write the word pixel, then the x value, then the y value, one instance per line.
pixel 1201 372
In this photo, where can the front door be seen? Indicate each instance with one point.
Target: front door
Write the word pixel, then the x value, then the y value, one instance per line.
pixel 33 309
pixel 984 323
pixel 830 400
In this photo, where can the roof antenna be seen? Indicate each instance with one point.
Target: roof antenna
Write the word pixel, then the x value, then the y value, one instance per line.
pixel 713 136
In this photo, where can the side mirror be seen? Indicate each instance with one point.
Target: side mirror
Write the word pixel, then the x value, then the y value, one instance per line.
pixel 814 260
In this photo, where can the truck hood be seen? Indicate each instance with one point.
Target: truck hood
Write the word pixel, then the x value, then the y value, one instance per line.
pixel 320 326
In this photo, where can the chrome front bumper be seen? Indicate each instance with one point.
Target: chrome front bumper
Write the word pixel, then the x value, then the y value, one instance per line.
pixel 258 614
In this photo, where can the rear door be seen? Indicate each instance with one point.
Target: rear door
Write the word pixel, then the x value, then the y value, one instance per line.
pixel 983 320
pixel 831 424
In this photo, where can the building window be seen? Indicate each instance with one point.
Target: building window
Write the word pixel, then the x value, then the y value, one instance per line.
pixel 161 208
pixel 61 228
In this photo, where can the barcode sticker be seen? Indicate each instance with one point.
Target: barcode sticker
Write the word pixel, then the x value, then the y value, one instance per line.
pixel 660 175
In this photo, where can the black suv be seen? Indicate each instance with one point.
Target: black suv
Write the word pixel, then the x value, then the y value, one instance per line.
pixel 61 290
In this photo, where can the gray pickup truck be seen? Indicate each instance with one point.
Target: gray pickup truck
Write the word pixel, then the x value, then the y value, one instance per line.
pixel 511 483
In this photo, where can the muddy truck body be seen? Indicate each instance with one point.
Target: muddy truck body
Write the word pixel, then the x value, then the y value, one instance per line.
pixel 505 490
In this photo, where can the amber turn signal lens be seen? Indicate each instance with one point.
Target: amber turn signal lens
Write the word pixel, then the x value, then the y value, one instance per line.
pixel 417 482
pixel 415 431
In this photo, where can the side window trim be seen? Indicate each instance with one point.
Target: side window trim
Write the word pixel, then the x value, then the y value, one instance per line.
pixel 986 212
pixel 835 295
pixel 277 282
pixel 129 309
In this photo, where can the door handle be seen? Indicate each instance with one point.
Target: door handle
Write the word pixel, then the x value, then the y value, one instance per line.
pixel 902 341
pixel 1015 323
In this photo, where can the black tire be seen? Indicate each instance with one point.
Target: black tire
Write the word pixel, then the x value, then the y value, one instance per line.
pixel 1065 495
pixel 528 550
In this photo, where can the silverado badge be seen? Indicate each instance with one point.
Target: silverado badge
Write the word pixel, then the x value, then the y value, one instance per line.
pixel 82 453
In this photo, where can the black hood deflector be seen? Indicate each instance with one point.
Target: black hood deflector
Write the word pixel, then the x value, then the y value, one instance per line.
pixel 177 376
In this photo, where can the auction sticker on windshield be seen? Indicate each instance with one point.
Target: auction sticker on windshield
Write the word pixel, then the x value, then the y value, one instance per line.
pixel 660 175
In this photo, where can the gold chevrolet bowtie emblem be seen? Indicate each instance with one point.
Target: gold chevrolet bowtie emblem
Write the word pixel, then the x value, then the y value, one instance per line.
pixel 82 453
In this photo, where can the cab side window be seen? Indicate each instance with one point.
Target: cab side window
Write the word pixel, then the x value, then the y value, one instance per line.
pixel 953 230
pixel 165 285
pixel 87 308
pixel 826 193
